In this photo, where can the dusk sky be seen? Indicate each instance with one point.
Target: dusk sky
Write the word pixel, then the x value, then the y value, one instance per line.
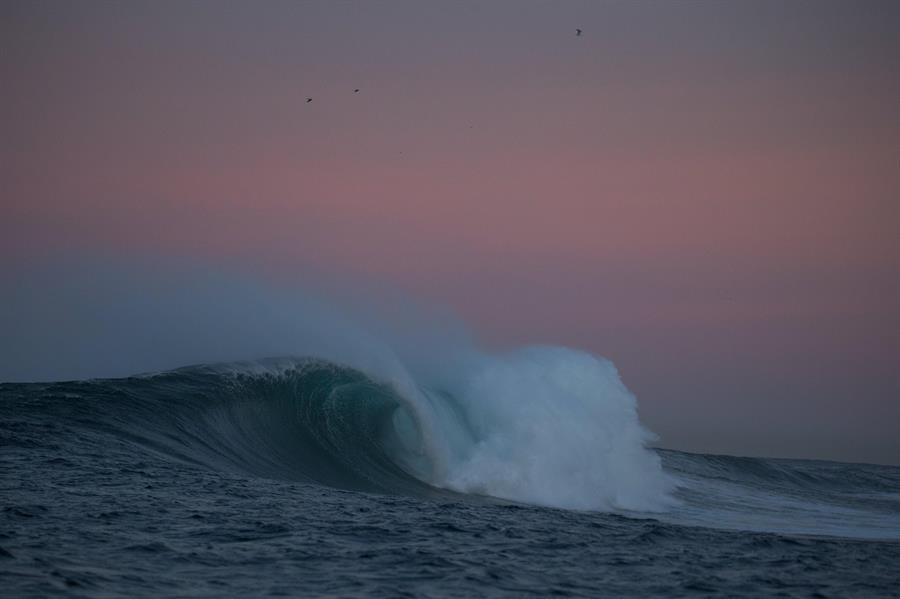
pixel 706 193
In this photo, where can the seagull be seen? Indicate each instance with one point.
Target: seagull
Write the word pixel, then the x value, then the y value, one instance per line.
pixel 578 33
pixel 308 100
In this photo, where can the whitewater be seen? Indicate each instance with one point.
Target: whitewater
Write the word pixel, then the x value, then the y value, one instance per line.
pixel 361 461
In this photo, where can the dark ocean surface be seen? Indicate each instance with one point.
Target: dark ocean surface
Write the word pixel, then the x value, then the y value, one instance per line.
pixel 307 479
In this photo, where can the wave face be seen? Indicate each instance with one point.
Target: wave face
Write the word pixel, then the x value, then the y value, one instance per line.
pixel 295 420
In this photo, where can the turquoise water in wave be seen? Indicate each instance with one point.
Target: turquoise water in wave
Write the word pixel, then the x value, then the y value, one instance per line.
pixel 302 477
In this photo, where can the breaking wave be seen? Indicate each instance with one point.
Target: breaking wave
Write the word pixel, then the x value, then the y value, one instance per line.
pixel 548 426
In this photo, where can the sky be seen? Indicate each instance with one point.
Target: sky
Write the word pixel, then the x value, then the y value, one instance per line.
pixel 707 193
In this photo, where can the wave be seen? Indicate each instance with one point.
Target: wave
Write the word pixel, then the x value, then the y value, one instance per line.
pixel 806 497
pixel 543 425
pixel 546 426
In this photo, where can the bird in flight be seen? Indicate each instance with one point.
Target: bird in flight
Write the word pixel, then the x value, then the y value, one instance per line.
pixel 308 100
pixel 578 33
pixel 356 91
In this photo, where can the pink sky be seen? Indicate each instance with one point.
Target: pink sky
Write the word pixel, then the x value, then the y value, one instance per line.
pixel 706 193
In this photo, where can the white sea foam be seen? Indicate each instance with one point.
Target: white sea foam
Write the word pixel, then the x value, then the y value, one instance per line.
pixel 550 426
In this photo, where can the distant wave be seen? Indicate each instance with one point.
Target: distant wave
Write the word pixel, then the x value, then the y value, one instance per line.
pixel 809 497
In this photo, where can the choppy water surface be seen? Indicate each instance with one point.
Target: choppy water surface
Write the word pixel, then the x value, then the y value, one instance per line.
pixel 299 477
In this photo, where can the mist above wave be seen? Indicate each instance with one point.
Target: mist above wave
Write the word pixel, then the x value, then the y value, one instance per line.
pixel 544 425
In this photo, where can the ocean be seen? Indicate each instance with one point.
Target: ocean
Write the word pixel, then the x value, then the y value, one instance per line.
pixel 305 477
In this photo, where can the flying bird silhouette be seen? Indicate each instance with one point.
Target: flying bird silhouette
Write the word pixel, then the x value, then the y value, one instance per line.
pixel 356 91
pixel 578 33
pixel 308 100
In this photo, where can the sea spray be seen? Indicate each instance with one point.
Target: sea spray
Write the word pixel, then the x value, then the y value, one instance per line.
pixel 554 426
